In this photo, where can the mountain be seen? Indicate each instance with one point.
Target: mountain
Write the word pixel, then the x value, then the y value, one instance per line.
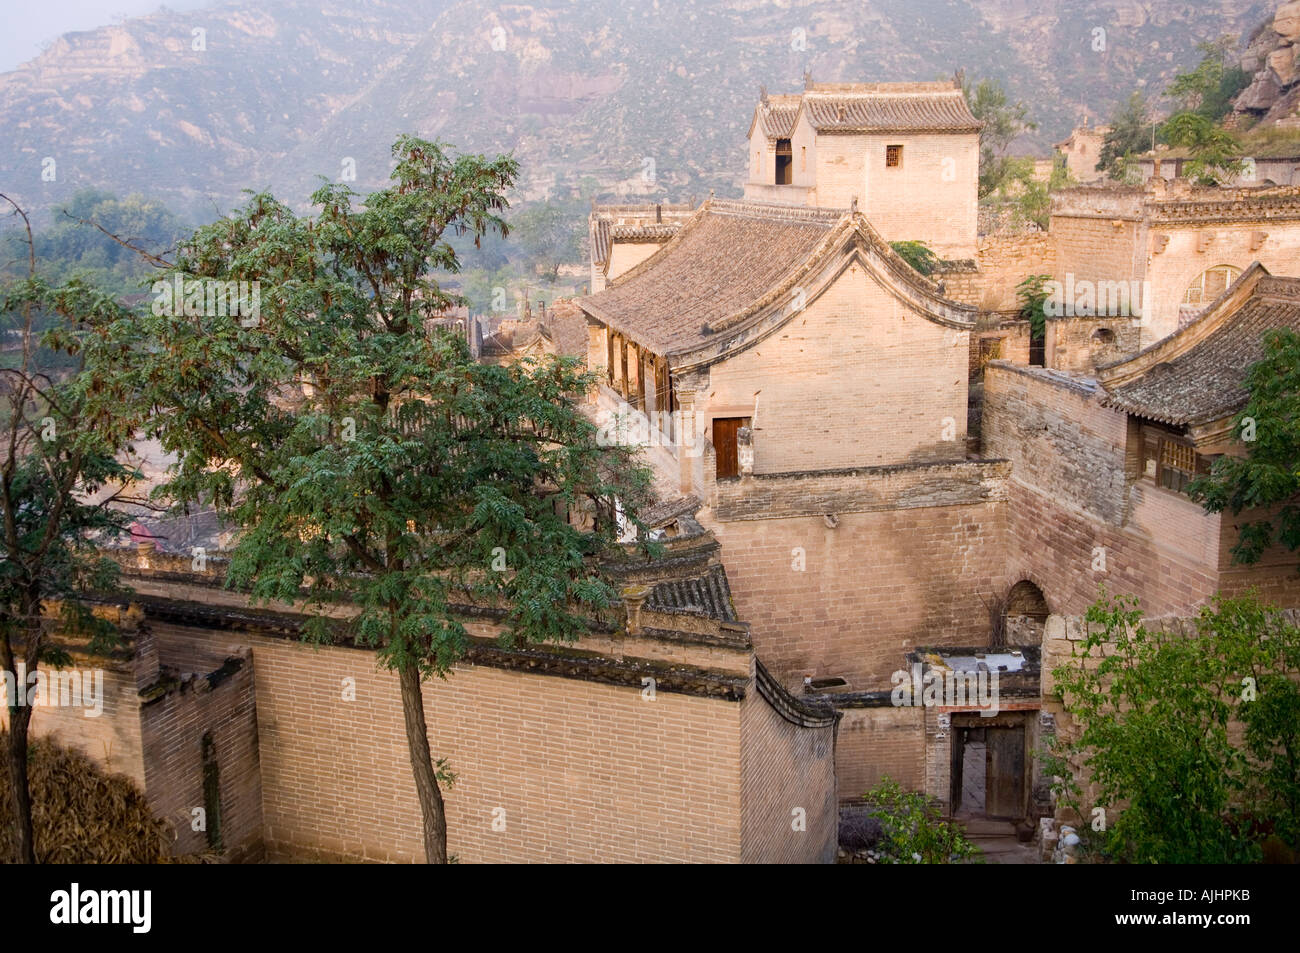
pixel 587 94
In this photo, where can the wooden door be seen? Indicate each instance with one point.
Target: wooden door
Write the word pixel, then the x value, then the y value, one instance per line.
pixel 1004 777
pixel 724 444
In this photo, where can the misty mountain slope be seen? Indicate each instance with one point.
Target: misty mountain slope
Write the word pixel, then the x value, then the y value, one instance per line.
pixel 591 91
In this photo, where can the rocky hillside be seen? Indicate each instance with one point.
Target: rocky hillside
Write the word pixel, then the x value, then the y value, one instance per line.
pixel 1272 56
pixel 590 94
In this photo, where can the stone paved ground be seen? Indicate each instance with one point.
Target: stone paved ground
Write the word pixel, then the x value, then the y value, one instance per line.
pixel 997 839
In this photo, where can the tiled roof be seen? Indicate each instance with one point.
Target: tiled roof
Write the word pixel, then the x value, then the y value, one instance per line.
pixel 888 107
pixel 647 222
pixel 1197 375
pixel 720 262
pixel 777 114
pixel 708 593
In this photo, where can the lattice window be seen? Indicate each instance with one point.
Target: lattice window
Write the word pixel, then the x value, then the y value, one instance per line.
pixel 1177 465
pixel 893 157
pixel 1210 284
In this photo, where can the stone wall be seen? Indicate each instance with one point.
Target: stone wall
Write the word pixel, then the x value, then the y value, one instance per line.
pixel 1003 260
pixel 1080 344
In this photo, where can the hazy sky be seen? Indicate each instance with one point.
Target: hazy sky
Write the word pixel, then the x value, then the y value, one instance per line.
pixel 30 24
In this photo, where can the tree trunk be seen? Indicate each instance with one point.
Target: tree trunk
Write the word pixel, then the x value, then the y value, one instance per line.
pixel 426 780
pixel 20 717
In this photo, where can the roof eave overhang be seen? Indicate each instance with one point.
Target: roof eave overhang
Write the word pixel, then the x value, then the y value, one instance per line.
pixel 1175 345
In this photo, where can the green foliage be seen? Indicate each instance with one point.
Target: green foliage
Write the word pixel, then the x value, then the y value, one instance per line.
pixel 364 455
pixel 1215 152
pixel 1268 475
pixel 1130 134
pixel 918 255
pixel 73 247
pixel 1208 89
pixel 66 429
pixel 1154 711
pixel 1032 296
pixel 407 468
pixel 549 233
pixel 1030 199
pixel 1003 122
pixel 914 831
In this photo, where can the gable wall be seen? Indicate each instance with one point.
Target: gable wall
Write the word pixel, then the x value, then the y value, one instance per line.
pixel 855 380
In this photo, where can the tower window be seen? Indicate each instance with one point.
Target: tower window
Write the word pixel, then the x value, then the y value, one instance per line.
pixel 893 157
pixel 784 162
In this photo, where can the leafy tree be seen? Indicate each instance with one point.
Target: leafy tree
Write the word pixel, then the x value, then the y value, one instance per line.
pixel 1129 135
pixel 1032 295
pixel 548 234
pixel 367 460
pixel 64 430
pixel 913 830
pixel 1215 152
pixel 1209 89
pixel 1267 477
pixel 1029 198
pixel 1002 122
pixel 1153 711
pixel 79 240
pixel 918 255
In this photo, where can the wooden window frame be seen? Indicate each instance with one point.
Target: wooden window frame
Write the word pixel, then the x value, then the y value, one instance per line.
pixel 894 156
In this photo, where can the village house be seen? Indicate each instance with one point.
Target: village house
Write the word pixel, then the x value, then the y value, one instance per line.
pixel 791 370
pixel 856 582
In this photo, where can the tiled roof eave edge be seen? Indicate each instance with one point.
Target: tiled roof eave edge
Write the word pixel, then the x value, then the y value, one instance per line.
pixel 850 238
pixel 830 130
pixel 1220 311
pixel 685 229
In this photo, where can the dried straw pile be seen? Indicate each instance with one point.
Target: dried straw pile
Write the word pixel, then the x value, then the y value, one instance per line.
pixel 79 814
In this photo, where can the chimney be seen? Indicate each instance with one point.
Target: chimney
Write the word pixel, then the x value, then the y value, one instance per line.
pixel 659 213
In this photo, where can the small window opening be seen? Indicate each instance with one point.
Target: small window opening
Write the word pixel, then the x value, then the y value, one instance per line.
pixel 893 157
pixel 784 162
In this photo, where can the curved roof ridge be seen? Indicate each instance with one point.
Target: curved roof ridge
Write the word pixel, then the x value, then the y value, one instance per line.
pixel 1202 326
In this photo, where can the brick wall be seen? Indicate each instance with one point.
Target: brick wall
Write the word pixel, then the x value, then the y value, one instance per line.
pixel 1003 259
pixel 875 742
pixel 1075 522
pixel 872 587
pixel 1191 249
pixel 930 197
pixel 624 256
pixel 788 790
pixel 111 739
pixel 173 727
pixel 575 771
pixel 856 380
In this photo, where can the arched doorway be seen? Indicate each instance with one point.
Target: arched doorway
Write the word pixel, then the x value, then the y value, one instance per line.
pixel 1026 614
